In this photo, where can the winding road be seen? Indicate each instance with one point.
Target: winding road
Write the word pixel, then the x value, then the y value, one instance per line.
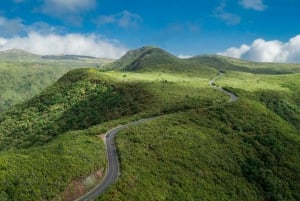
pixel 113 166
pixel 232 96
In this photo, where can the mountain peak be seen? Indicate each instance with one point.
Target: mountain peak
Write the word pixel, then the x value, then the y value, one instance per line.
pixel 134 59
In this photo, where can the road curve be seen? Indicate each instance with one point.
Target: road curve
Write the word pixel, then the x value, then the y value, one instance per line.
pixel 232 96
pixel 113 166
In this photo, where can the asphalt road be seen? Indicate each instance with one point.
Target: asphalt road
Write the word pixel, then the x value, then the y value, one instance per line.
pixel 113 167
pixel 232 96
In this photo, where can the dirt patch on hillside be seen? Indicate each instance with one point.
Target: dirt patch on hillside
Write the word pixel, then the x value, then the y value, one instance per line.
pixel 103 137
pixel 79 187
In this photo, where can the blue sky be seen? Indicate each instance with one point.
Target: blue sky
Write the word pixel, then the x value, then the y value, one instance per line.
pixel 260 30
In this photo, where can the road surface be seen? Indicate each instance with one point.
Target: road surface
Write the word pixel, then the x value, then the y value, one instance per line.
pixel 232 96
pixel 113 167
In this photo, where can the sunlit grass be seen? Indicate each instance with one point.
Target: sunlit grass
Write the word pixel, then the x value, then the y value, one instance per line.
pixel 254 82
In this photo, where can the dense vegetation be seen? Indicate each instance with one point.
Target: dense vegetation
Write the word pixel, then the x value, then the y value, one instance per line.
pixel 42 173
pixel 234 152
pixel 201 148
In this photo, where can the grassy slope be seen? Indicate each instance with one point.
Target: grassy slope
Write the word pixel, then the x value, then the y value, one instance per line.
pixel 23 75
pixel 279 93
pixel 240 151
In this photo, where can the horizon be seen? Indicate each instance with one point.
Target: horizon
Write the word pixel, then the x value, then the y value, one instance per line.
pixel 178 56
pixel 254 30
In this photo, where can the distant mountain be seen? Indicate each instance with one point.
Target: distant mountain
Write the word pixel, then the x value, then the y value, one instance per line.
pixel 22 55
pixel 66 57
pixel 17 55
pixel 155 59
pixel 150 58
pixel 227 63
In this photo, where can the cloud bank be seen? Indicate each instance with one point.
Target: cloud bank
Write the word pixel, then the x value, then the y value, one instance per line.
pixel 77 44
pixel 268 51
pixel 184 56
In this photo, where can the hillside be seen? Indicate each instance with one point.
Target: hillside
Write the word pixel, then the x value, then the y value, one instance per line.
pixel 82 99
pixel 24 75
pixel 199 145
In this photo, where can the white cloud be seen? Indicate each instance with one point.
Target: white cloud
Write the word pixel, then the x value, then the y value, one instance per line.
pixel 268 51
pixel 77 44
pixel 41 38
pixel 253 4
pixel 123 19
pixel 228 18
pixel 3 41
pixel 183 56
pixel 236 52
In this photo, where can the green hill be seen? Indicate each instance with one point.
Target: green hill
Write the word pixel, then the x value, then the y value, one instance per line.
pixel 200 148
pixel 23 75
pixel 155 59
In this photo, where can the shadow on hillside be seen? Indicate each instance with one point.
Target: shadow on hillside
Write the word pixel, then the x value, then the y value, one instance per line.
pixel 116 102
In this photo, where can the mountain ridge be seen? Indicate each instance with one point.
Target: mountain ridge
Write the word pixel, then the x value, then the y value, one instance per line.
pixel 16 53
